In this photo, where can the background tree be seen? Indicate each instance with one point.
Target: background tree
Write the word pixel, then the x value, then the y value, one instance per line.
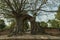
pixel 54 23
pixel 43 24
pixel 58 14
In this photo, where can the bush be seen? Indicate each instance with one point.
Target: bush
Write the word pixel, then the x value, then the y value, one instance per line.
pixel 2 24
pixel 43 24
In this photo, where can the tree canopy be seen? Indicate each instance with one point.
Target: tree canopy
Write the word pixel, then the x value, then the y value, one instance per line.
pixel 7 6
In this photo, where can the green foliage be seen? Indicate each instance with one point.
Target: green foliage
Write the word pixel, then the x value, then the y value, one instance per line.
pixel 26 25
pixel 10 26
pixel 43 24
pixel 58 14
pixel 2 24
pixel 54 23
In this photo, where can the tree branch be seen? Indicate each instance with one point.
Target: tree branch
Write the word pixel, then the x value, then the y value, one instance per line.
pixel 6 10
pixel 6 14
pixel 24 5
pixel 21 4
pixel 38 9
pixel 49 11
pixel 9 4
pixel 43 2
pixel 15 5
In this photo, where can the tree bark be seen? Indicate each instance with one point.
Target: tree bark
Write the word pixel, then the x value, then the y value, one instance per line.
pixel 19 27
pixel 36 28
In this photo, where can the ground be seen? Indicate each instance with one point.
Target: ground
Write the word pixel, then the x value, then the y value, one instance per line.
pixel 30 37
pixel 3 35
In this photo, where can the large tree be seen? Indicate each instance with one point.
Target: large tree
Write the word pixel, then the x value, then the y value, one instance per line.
pixel 18 9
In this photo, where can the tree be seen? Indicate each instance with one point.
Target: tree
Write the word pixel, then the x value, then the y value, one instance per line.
pixel 58 14
pixel 18 9
pixel 54 23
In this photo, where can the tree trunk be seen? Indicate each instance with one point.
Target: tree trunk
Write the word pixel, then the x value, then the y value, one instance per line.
pixel 19 27
pixel 36 28
pixel 33 27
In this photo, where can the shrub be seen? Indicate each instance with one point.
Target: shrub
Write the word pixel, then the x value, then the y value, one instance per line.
pixel 2 24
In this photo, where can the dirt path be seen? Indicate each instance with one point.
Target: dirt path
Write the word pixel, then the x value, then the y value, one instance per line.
pixel 30 37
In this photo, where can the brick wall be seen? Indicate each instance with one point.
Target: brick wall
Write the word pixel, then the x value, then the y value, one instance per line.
pixel 52 31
